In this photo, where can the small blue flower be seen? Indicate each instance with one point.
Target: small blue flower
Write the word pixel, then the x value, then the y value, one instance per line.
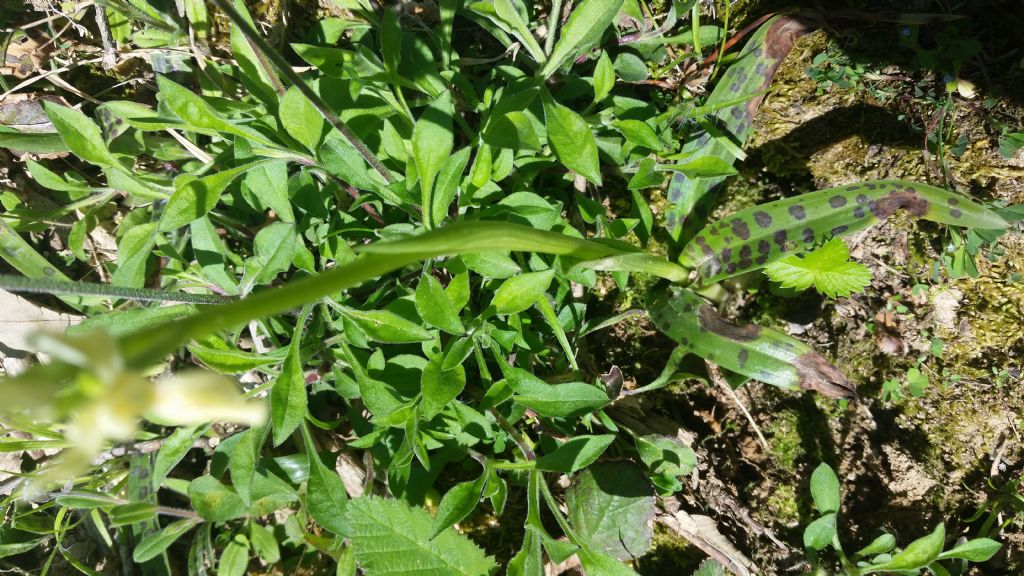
pixel 905 32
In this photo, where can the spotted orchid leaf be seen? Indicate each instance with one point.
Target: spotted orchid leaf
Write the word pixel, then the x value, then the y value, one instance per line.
pixel 759 353
pixel 752 238
pixel 736 98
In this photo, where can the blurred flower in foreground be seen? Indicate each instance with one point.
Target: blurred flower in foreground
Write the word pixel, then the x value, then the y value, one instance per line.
pixel 87 391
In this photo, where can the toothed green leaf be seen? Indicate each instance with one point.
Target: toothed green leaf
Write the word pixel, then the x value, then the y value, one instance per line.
pixel 828 269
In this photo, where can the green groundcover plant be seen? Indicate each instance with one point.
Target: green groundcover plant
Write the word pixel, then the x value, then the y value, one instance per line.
pixel 400 246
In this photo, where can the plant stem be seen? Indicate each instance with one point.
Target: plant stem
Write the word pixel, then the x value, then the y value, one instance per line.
pixel 553 18
pixel 44 286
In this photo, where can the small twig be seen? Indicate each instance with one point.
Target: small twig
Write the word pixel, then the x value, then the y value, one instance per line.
pixel 520 442
pixel 719 380
pixel 74 11
pixel 109 49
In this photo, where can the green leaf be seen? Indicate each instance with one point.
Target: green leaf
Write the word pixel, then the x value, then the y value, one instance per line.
pixel 342 160
pixel 639 133
pixel 703 167
pixel 513 21
pixel 214 501
pixel 211 255
pixel 387 327
pixel 132 513
pixel 81 135
pixel 582 30
pixel 447 183
pixel 918 554
pixel 665 455
pixel 491 264
pixel 521 292
pixel 880 545
pixel 234 560
pixel 154 544
pixel 275 247
pixel 269 184
pixel 435 307
pixel 555 401
pixel 432 142
pixel 572 140
pixel 604 77
pixel 828 269
pixel 326 498
pixel 173 451
pixel 439 387
pixel 243 460
pixel 819 533
pixel 198 115
pixel 87 499
pixel 264 543
pixel 133 252
pixel 301 120
pixel 288 396
pixel 611 507
pixel 601 564
pixel 513 130
pixel 976 550
pixel 825 489
pixel 457 503
pixel 575 454
pixel 392 538
pixel 197 197
pixel 44 143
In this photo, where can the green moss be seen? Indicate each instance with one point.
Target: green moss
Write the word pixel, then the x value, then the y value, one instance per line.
pixel 783 434
pixel 783 506
pixel 670 554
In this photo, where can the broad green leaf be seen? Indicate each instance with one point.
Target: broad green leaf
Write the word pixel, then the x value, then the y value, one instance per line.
pixel 600 564
pixel 572 140
pixel 234 560
pixel 391 538
pixel 387 327
pixel 529 560
pixel 611 507
pixel 33 143
pixel 521 292
pixel 300 118
pixel 575 454
pixel 976 550
pixel 243 460
pixel 154 544
pixel 197 197
pixel 132 513
pixel 214 501
pixel 457 503
pixel 447 183
pixel 582 30
pixel 639 133
pixel 133 252
pixel 604 77
pixel 288 395
pixel 879 545
pixel 269 185
pixel 173 451
pixel 439 387
pixel 81 135
pixel 325 492
pixel 211 255
pixel 827 268
pixel 554 400
pixel 918 554
pixel 513 130
pixel 665 455
pixel 435 307
pixel 275 247
pixel 825 489
pixel 391 40
pixel 754 237
pixel 254 75
pixel 432 142
pixel 264 543
pixel 753 351
pixel 819 533
pixel 342 160
pixel 491 264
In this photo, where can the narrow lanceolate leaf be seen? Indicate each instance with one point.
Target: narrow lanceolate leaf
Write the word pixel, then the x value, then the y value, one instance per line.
pixel 572 140
pixel 554 400
pixel 300 118
pixel 153 545
pixel 432 142
pixel 743 83
pixel 391 538
pixel 828 269
pixel 582 30
pixel 388 327
pixel 457 503
pixel 522 291
pixel 751 238
pixel 756 352
pixel 198 115
pixel 288 396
